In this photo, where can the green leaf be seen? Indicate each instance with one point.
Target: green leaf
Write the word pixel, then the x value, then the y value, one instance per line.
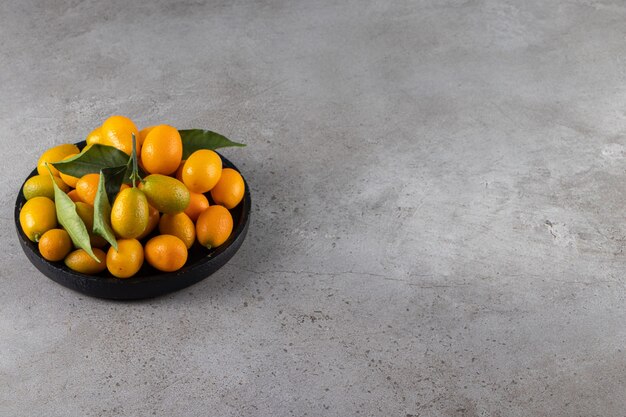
pixel 69 219
pixel 114 178
pixel 102 213
pixel 92 161
pixel 195 139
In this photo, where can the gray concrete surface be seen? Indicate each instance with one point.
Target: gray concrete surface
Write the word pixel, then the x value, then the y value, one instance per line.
pixel 438 223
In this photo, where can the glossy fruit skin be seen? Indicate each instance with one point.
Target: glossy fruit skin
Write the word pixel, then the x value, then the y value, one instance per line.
pixel 55 154
pixel 68 179
pixel 38 215
pixel 162 150
pixel 153 221
pixel 129 214
pixel 166 253
pixel 214 226
pixel 179 171
pixel 197 204
pixel 179 225
pixel 80 261
pixel 87 187
pixel 55 244
pixel 41 186
pixel 229 190
pixel 166 194
pixel 118 130
pixel 143 133
pixel 126 260
pixel 86 212
pixel 73 194
pixel 202 171
pixel 96 136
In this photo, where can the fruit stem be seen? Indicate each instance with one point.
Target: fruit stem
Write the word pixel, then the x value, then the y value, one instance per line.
pixel 134 176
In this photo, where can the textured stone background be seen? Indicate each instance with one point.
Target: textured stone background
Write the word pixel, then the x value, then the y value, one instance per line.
pixel 438 222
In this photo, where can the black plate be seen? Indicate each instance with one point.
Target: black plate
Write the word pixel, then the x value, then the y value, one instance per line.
pixel 148 282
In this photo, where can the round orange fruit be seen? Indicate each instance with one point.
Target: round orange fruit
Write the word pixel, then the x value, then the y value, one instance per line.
pixel 202 170
pixel 80 261
pixel 166 253
pixel 126 260
pixel 162 150
pixel 179 171
pixel 37 216
pixel 143 133
pixel 87 187
pixel 55 244
pixel 197 204
pixel 214 226
pixel 229 190
pixel 55 154
pixel 96 137
pixel 179 225
pixel 118 131
pixel 73 194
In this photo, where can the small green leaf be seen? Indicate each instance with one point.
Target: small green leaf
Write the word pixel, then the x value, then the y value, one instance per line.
pixel 69 219
pixel 92 161
pixel 102 213
pixel 195 139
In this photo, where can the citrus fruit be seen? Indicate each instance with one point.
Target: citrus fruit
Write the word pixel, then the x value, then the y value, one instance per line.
pixel 68 179
pixel 214 226
pixel 80 261
pixel 55 244
pixel 166 253
pixel 179 171
pixel 229 190
pixel 202 171
pixel 129 214
pixel 153 221
pixel 118 130
pixel 38 215
pixel 179 225
pixel 143 133
pixel 96 137
pixel 87 187
pixel 162 150
pixel 140 164
pixel 85 212
pixel 126 260
pixel 55 154
pixel 166 194
pixel 197 204
pixel 41 186
pixel 73 194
